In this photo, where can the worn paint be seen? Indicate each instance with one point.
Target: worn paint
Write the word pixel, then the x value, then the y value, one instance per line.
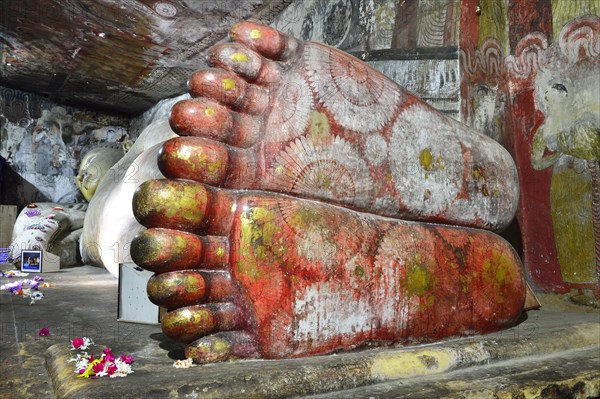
pixel 553 130
pixel 228 84
pixel 312 278
pixel 493 21
pixel 413 364
pixel 44 144
pixel 562 152
pixel 564 11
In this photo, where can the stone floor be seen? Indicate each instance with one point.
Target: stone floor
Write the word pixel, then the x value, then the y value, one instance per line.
pixel 553 353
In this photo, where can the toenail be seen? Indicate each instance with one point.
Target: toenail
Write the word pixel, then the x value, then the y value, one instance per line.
pixel 239 57
pixel 255 34
pixel 228 84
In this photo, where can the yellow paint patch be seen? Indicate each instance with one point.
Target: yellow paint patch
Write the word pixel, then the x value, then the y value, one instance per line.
pixel 426 159
pixel 257 241
pixel 493 22
pixel 255 34
pixel 220 251
pixel 419 281
pixel 320 130
pixel 221 346
pixel 228 84
pixel 572 222
pixel 209 111
pixel 184 154
pixel 305 218
pixel 498 272
pixel 411 364
pixel 239 57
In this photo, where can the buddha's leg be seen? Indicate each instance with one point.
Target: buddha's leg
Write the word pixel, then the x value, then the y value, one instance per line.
pixel 255 274
pixel 304 119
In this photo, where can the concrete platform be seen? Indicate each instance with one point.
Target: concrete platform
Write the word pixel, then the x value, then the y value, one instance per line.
pixel 554 353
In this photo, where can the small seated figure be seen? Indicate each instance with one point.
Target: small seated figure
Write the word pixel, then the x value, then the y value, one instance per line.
pixel 311 205
pixel 57 228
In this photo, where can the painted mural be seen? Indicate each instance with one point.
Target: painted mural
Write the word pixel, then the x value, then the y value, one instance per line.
pixel 484 90
pixel 43 144
pixel 345 24
pixel 537 91
pixel 559 150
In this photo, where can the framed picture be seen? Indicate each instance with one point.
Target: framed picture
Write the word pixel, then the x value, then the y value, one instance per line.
pixel 31 261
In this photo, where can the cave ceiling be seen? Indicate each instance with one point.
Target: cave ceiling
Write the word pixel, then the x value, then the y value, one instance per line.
pixel 121 55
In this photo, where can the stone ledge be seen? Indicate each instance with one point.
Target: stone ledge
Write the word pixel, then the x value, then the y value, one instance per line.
pixel 570 374
pixel 155 377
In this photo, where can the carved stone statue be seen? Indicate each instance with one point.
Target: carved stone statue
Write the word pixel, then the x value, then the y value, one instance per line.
pixel 311 205
pixel 55 227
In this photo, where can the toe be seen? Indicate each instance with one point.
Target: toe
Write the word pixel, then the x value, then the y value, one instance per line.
pixel 229 89
pixel 171 204
pixel 201 117
pixel 193 322
pixel 165 250
pixel 265 40
pixel 189 287
pixel 222 346
pixel 177 289
pixel 194 158
pixel 208 162
pixel 237 59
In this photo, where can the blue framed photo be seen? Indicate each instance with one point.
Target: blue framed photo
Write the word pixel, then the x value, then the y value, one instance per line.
pixel 31 261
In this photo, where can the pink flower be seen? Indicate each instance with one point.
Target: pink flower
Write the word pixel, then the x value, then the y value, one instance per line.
pixel 77 342
pixel 127 359
pixel 98 367
pixel 45 332
pixel 108 355
pixel 111 369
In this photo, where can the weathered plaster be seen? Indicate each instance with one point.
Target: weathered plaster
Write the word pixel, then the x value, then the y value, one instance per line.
pixel 542 101
pixel 43 144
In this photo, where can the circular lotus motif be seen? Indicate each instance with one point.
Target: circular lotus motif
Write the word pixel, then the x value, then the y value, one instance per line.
pixel 360 98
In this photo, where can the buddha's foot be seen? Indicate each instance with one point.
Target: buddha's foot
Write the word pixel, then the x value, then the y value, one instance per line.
pixel 254 274
pixel 304 119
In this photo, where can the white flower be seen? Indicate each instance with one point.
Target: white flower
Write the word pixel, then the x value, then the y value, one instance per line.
pixel 35 296
pixel 15 273
pixel 123 369
pixel 184 364
pixel 81 361
pixel 14 284
pixel 87 342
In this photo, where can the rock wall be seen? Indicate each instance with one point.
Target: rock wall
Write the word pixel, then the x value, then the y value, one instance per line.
pixel 42 144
